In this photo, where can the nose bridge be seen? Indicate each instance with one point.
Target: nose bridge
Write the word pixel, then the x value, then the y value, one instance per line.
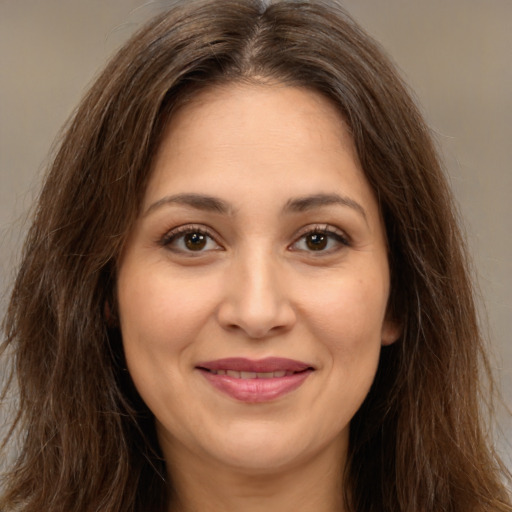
pixel 257 300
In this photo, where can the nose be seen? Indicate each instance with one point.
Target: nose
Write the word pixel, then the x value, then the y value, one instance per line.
pixel 256 299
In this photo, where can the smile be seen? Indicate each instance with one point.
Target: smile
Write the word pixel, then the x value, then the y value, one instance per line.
pixel 255 381
pixel 252 375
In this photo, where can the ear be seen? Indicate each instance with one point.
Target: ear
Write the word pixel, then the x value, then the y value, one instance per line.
pixel 109 315
pixel 391 331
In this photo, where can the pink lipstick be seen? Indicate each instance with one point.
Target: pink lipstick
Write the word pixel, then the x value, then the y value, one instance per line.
pixel 255 381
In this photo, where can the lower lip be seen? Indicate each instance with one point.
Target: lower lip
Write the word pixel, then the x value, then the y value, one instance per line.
pixel 256 390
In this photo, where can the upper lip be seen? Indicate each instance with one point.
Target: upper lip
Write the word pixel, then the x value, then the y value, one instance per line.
pixel 269 364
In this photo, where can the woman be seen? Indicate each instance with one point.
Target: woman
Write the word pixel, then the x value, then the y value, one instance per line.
pixel 245 286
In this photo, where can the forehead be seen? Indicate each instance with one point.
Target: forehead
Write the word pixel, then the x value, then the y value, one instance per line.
pixel 271 138
pixel 251 113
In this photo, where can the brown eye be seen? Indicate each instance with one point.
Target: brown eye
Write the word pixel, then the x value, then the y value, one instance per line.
pixel 325 240
pixel 316 241
pixel 188 240
pixel 195 241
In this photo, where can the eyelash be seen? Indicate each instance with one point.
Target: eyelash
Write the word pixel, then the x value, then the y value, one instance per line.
pixel 331 233
pixel 175 234
pixel 324 229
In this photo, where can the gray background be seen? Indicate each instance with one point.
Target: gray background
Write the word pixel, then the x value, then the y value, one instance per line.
pixel 457 56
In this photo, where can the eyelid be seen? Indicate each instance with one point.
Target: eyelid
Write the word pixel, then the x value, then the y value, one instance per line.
pixel 327 229
pixel 322 228
pixel 174 233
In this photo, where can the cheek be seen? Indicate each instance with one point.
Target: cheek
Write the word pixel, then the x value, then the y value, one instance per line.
pixel 350 308
pixel 347 316
pixel 160 316
pixel 161 311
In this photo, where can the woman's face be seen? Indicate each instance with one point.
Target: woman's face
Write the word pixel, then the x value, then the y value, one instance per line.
pixel 253 287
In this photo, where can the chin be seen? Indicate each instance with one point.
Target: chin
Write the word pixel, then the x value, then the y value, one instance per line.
pixel 266 450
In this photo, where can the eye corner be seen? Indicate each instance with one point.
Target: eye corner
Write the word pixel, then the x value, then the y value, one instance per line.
pixel 325 239
pixel 201 240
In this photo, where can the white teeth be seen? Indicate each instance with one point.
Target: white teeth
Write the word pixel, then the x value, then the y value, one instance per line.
pixel 253 375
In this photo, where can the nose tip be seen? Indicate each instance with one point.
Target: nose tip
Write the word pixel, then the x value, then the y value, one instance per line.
pixel 253 324
pixel 257 303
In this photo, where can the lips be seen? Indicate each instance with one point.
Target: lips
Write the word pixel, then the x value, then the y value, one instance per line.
pixel 252 375
pixel 255 381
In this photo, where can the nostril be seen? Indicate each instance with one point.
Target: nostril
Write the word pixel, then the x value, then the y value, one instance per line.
pixel 258 314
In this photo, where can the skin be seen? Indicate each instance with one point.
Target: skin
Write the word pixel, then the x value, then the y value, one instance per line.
pixel 256 289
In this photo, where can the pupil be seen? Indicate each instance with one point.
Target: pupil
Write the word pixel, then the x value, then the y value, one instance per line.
pixel 195 241
pixel 316 241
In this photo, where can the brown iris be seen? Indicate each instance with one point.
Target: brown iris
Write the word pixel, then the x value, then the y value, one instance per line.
pixel 317 241
pixel 195 241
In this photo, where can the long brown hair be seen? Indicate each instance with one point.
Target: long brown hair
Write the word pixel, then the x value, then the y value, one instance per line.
pixel 87 442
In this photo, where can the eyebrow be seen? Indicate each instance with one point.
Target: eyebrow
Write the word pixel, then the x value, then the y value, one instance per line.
pixel 296 205
pixel 302 204
pixel 197 201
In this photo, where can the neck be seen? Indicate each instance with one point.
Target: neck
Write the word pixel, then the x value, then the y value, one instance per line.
pixel 314 485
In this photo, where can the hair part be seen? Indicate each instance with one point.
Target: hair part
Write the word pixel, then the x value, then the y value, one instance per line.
pixel 418 442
